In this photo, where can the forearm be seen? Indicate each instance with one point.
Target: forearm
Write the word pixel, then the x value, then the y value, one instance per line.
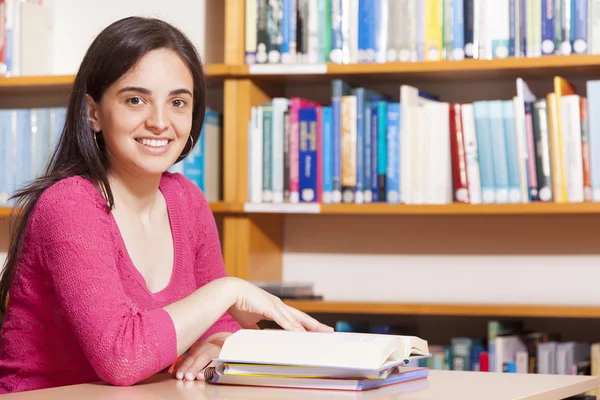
pixel 194 315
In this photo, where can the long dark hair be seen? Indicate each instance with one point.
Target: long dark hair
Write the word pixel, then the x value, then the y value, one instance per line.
pixel 113 53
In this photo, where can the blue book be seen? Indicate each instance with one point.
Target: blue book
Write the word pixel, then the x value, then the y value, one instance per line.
pixel 498 138
pixel 308 154
pixel 327 153
pixel 486 151
pixel 393 153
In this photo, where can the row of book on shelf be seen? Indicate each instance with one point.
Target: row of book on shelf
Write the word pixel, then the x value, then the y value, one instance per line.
pixel 357 31
pixel 28 136
pixel 25 37
pixel 509 347
pixel 366 147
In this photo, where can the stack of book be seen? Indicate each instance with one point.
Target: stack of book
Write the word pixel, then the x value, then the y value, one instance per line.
pixel 311 360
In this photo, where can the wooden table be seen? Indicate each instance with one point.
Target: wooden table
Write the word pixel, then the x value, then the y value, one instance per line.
pixel 445 385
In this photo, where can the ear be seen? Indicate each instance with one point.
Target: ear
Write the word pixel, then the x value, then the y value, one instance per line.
pixel 93 111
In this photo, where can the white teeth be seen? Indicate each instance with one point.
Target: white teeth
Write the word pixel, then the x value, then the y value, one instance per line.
pixel 154 142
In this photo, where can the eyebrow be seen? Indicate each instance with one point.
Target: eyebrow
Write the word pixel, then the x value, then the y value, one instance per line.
pixel 147 91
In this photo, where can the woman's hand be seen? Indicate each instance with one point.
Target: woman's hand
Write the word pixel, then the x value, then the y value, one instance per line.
pixel 254 304
pixel 200 355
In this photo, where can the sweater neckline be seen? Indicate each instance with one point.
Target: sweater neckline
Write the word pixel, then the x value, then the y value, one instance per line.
pixel 175 221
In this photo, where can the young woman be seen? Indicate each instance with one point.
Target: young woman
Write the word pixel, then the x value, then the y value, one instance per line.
pixel 114 268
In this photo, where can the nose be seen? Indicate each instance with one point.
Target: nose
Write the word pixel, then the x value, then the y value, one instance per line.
pixel 157 120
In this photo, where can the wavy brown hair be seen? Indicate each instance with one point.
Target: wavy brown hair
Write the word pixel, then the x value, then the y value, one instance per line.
pixel 117 49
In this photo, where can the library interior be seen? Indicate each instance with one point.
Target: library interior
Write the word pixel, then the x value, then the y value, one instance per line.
pixel 323 197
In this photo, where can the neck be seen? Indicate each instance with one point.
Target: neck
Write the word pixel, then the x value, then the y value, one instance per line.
pixel 134 193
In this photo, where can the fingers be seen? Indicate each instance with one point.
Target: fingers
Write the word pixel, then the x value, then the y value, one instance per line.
pixel 192 365
pixel 197 368
pixel 309 322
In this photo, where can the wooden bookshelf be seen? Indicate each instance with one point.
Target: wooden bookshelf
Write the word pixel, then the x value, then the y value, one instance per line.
pixel 584 65
pixel 433 309
pixel 45 83
pixel 536 208
pixel 217 208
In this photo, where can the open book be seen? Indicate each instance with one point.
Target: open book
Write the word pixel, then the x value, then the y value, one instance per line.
pixel 364 354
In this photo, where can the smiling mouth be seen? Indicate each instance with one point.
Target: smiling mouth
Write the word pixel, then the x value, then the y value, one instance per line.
pixel 154 143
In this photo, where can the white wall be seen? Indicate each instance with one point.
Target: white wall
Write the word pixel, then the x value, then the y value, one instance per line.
pixel 77 22
pixel 446 259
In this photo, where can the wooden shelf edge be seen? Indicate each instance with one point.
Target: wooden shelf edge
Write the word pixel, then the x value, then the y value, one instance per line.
pixel 422 68
pixel 433 309
pixel 37 81
pixel 580 60
pixel 414 209
pixel 463 209
pixel 217 208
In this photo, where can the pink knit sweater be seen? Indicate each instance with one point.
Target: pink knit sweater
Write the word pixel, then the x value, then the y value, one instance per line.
pixel 79 310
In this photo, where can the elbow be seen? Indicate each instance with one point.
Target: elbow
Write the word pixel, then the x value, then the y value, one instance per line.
pixel 120 381
pixel 120 372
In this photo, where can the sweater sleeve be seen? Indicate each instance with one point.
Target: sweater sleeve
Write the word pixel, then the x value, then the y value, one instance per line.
pixel 209 263
pixel 122 343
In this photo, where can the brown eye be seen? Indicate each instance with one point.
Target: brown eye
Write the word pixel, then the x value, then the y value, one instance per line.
pixel 178 103
pixel 134 101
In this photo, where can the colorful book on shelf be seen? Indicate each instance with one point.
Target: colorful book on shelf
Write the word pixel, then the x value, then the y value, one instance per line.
pixel 337 360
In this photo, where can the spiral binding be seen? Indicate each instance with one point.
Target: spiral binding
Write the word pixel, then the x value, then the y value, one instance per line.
pixel 209 374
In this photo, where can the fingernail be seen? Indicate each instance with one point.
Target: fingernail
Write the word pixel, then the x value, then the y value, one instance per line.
pixel 189 376
pixel 179 375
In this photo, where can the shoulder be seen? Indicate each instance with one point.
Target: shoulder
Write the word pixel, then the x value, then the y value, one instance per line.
pixel 73 198
pixel 73 191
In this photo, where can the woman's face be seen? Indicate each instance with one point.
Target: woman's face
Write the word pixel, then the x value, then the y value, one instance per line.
pixel 146 116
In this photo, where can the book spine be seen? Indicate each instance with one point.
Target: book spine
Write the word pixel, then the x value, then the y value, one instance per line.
pixel 512 28
pixel 458 43
pixel 286 155
pixel 498 138
pixel 433 30
pixel 286 32
pixel 327 153
pixel 348 147
pixel 374 152
pixel 485 151
pixel 512 154
pixel 594 27
pixel 469 25
pixel 313 32
pixel 585 149
pixel 262 36
pixel 360 144
pixel 294 146
pixel 565 46
pixel 336 52
pixel 392 182
pixel 459 160
pixel 548 15
pixel 531 167
pixel 251 31
pixel 542 147
pixel 500 28
pixel 307 118
pixel 593 102
pixel 367 151
pixel 381 150
pixel 580 25
pixel 471 153
pixel 447 29
pixel 274 30
pixel 267 179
